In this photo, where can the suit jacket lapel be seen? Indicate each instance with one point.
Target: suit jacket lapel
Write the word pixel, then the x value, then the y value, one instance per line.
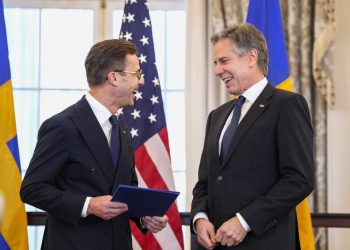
pixel 94 137
pixel 258 107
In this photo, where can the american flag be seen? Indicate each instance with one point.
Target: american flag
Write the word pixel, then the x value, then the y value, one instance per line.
pixel 146 121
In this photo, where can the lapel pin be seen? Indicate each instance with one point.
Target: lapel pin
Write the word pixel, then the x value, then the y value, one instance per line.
pixel 261 105
pixel 124 131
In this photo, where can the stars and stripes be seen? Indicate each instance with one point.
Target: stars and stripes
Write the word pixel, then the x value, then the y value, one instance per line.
pixel 146 121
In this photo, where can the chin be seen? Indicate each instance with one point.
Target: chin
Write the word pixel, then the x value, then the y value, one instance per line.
pixel 232 91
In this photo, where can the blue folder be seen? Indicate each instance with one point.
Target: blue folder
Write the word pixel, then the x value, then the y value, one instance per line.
pixel 145 201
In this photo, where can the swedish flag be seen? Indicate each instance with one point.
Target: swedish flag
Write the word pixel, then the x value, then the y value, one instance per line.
pixel 266 16
pixel 13 228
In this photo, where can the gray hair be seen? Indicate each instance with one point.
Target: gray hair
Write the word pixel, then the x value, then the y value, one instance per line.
pixel 244 38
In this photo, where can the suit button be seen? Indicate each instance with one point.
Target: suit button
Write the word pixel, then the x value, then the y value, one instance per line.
pixel 219 178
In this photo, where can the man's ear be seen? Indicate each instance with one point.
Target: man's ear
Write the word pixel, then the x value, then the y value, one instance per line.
pixel 113 78
pixel 253 57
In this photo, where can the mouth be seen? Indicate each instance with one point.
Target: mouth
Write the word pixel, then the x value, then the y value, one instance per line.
pixel 226 79
pixel 135 94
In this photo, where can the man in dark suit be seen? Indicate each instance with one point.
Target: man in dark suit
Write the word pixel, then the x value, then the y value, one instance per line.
pixel 252 175
pixel 73 171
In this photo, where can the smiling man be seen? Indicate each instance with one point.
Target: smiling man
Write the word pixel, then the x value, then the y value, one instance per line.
pixel 84 153
pixel 257 160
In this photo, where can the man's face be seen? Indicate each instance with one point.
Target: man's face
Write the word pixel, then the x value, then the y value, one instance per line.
pixel 129 82
pixel 232 69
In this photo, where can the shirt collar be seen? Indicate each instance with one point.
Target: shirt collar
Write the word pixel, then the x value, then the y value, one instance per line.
pixel 254 91
pixel 101 112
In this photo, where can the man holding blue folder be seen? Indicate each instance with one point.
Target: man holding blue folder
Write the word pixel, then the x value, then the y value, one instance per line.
pixel 84 153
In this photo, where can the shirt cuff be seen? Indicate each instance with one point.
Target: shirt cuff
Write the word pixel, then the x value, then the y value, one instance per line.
pixel 84 212
pixel 199 215
pixel 243 222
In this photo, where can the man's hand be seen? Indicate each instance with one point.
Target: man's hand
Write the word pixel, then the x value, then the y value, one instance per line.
pixel 231 233
pixel 155 223
pixel 205 233
pixel 103 207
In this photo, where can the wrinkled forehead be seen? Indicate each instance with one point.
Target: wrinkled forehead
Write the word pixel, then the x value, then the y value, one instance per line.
pixel 223 48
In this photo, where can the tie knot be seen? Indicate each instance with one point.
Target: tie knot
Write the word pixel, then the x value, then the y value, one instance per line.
pixel 113 120
pixel 240 101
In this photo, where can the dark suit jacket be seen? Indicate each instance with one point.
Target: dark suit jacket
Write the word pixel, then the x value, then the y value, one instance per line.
pixel 71 161
pixel 268 170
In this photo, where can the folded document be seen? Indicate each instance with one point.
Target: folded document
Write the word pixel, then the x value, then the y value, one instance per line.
pixel 145 201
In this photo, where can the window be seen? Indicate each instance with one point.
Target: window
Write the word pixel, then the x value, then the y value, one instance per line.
pixel 47 50
pixel 48 42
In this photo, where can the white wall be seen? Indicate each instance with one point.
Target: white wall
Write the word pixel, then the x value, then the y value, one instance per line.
pixel 338 130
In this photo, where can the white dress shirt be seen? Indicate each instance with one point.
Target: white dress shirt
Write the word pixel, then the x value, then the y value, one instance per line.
pixel 251 95
pixel 102 114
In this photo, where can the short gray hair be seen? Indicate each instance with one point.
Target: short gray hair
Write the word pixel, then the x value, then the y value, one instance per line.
pixel 245 37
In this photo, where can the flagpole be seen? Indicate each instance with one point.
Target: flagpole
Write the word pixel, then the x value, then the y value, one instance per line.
pixel 103 20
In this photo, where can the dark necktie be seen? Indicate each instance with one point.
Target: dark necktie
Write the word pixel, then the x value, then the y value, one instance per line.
pixel 115 140
pixel 231 129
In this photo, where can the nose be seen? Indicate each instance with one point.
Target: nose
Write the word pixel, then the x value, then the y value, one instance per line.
pixel 218 69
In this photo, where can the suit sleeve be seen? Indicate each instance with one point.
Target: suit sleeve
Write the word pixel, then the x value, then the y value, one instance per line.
pixel 200 191
pixel 38 186
pixel 294 143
